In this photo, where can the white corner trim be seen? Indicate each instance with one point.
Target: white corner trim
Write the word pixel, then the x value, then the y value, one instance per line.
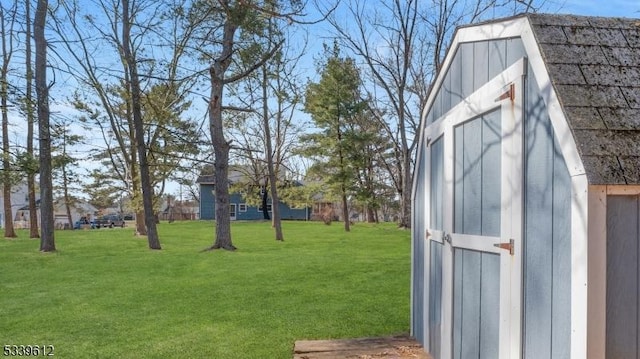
pixel 579 265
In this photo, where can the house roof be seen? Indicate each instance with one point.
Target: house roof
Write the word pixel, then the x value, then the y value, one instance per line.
pixel 234 176
pixel 237 174
pixel 594 67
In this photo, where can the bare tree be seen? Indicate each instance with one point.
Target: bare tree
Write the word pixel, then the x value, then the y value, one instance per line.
pixel 271 130
pixel 134 84
pixel 108 108
pixel 29 111
pixel 47 241
pixel 402 44
pixel 241 48
pixel 275 218
pixel 7 22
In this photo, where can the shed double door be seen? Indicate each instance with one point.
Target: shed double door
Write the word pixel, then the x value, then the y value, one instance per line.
pixel 475 224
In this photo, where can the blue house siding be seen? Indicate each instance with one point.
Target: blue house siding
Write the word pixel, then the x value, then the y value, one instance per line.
pixel 207 207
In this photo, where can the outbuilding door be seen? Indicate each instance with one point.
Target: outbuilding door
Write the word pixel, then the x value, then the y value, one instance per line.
pixel 475 223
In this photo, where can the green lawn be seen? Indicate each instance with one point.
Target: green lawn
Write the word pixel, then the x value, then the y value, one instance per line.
pixel 105 295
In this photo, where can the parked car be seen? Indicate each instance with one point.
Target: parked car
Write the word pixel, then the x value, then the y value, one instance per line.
pixel 110 220
pixel 84 221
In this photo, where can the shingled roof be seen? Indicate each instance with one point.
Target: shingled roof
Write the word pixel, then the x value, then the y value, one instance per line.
pixel 594 66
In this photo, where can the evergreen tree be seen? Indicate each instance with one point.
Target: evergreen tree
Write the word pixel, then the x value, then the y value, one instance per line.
pixel 334 103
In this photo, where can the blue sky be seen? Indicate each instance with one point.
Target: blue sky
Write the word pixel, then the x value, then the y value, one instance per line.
pixel 622 8
pixel 615 8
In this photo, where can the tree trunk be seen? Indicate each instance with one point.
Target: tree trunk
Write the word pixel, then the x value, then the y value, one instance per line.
pixel 141 228
pixel 220 144
pixel 47 241
pixel 345 211
pixel 31 177
pixel 405 196
pixel 9 232
pixel 371 218
pixel 265 201
pixel 221 163
pixel 275 201
pixel 67 197
pixel 145 180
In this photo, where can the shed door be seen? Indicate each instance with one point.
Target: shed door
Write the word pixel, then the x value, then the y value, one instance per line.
pixel 475 190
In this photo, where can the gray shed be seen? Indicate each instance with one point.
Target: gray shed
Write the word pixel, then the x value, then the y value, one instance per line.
pixel 526 213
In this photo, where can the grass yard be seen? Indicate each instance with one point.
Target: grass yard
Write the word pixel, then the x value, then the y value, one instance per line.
pixel 105 295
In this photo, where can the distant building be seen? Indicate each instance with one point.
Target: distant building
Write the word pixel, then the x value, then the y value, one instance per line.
pixel 239 209
pixel 19 199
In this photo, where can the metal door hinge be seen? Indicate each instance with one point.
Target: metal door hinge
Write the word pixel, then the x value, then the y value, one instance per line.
pixel 509 94
pixel 508 246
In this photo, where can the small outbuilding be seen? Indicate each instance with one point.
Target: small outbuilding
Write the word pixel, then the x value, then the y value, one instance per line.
pixel 526 218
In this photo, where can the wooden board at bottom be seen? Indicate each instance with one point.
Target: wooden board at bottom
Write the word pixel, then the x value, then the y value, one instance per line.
pixel 400 347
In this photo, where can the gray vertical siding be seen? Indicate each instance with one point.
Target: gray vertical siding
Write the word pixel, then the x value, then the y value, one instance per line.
pixel 435 259
pixel 490 306
pixel 623 274
pixel 547 237
pixel 561 268
pixel 477 172
pixel 473 65
pixel 418 265
pixel 497 59
pixel 437 183
pixel 491 169
pixel 480 64
pixel 476 305
pixel 477 211
pixel 435 299
pixel 465 53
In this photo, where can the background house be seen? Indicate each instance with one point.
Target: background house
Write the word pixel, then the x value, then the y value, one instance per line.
pixel 19 199
pixel 526 221
pixel 178 210
pixel 240 210
pixel 79 208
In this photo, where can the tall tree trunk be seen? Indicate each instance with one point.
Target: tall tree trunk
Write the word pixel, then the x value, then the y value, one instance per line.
pixel 371 218
pixel 221 162
pixel 67 196
pixel 343 187
pixel 345 210
pixel 275 201
pixel 141 228
pixel 145 180
pixel 220 145
pixel 265 201
pixel 405 193
pixel 9 232
pixel 47 241
pixel 31 174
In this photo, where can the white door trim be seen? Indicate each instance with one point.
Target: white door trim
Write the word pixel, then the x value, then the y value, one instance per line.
pixel 489 97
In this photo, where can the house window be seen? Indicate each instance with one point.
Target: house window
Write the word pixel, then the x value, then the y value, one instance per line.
pixel 268 208
pixel 242 207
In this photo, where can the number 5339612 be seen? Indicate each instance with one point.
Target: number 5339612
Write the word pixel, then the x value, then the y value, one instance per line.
pixel 27 350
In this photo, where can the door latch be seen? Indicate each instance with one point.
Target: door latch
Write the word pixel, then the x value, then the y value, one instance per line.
pixel 447 237
pixel 508 246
